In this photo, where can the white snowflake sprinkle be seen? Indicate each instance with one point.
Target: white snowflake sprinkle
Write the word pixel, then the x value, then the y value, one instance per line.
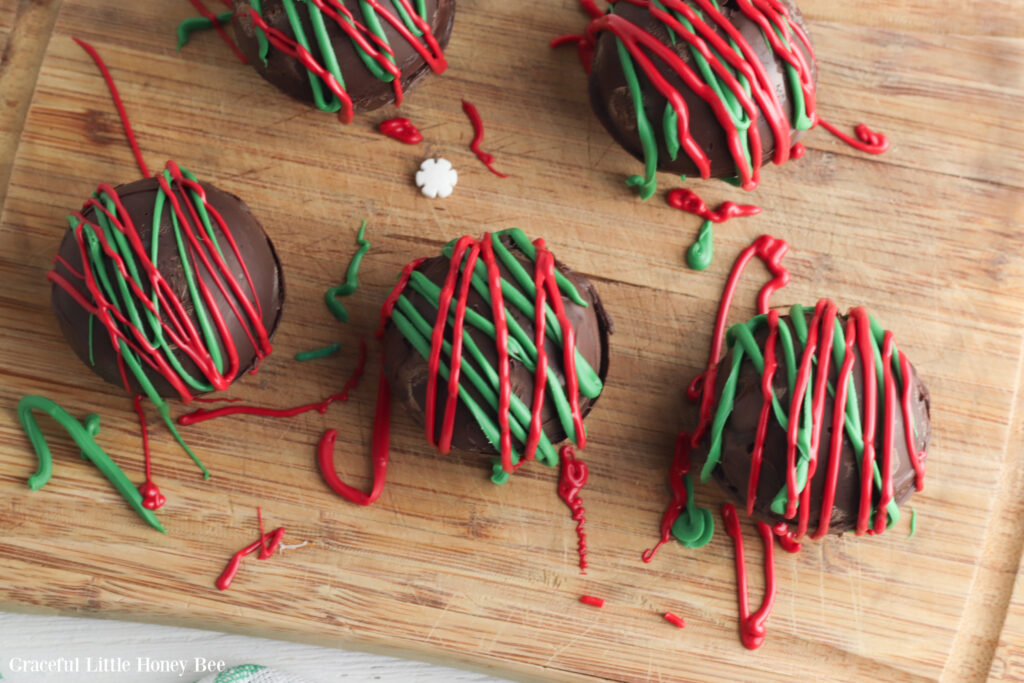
pixel 436 178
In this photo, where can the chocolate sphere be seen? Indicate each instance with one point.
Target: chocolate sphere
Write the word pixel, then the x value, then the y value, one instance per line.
pixel 739 434
pixel 407 369
pixel 91 340
pixel 613 102
pixel 367 91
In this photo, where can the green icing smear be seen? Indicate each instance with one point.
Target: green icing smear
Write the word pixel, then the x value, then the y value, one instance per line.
pixel 476 372
pixel 740 339
pixel 83 436
pixel 351 283
pixel 195 24
pixel 701 252
pixel 647 183
pixel 324 352
pixel 695 527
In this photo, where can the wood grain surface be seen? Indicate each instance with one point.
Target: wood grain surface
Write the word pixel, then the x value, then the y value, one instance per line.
pixel 445 565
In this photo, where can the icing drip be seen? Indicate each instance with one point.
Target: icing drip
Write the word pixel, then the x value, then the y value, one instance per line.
pixel 752 630
pixel 691 525
pixel 572 479
pixel 151 496
pixel 215 22
pixel 478 138
pixel 725 72
pixel 369 40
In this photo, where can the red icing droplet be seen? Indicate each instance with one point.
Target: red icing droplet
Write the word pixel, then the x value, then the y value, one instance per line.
pixel 401 129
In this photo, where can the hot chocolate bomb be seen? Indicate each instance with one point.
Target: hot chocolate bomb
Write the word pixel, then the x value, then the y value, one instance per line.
pixel 344 51
pixel 192 310
pixel 736 443
pixel 475 424
pixel 698 88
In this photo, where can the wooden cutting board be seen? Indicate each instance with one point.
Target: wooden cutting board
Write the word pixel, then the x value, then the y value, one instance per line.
pixel 445 565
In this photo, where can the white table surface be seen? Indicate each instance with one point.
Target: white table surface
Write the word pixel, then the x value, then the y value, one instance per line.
pixel 34 637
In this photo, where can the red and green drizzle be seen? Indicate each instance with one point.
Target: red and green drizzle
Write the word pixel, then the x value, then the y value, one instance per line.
pixel 726 73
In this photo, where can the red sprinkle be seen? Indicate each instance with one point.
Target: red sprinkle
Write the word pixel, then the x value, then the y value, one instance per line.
pixel 401 129
pixel 674 620
pixel 478 137
pixel 591 600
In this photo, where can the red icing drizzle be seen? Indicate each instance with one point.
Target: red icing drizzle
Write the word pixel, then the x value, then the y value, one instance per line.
pixel 265 549
pixel 591 600
pixel 676 621
pixel 867 140
pixel 428 48
pixel 770 250
pixel 202 415
pixel 786 538
pixel 571 480
pixel 151 496
pixel 688 200
pixel 752 630
pixel 401 129
pixel 478 137
pixel 680 468
pixel 220 29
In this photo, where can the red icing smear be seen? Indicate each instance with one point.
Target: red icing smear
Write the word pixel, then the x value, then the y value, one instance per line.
pixel 688 200
pixel 867 140
pixel 478 137
pixel 151 496
pixel 680 468
pixel 752 630
pixel 202 415
pixel 571 480
pixel 171 312
pixel 786 538
pixel 675 620
pixel 266 550
pixel 591 600
pixel 220 29
pixel 401 129
pixel 770 250
pixel 376 49
pixel 116 96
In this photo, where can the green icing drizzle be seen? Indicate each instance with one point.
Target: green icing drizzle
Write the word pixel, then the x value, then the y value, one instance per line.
pixel 92 361
pixel 740 339
pixel 83 438
pixel 476 371
pixel 351 283
pixel 195 24
pixel 328 350
pixel 701 252
pixel 913 523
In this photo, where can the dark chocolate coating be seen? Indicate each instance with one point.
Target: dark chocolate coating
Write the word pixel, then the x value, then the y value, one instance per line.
pixel 739 434
pixel 407 369
pixel 611 100
pixel 256 250
pixel 366 90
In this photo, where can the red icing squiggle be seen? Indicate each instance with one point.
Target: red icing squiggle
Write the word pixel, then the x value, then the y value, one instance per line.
pixel 786 538
pixel 752 629
pixel 202 415
pixel 680 468
pixel 571 480
pixel 478 138
pixel 770 250
pixel 401 129
pixel 265 549
pixel 867 140
pixel 688 200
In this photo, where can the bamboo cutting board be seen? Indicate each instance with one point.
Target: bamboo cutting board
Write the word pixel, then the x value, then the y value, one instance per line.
pixel 445 565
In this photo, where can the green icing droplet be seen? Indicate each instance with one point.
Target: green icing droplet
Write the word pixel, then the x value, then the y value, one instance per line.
pixel 695 527
pixel 701 252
